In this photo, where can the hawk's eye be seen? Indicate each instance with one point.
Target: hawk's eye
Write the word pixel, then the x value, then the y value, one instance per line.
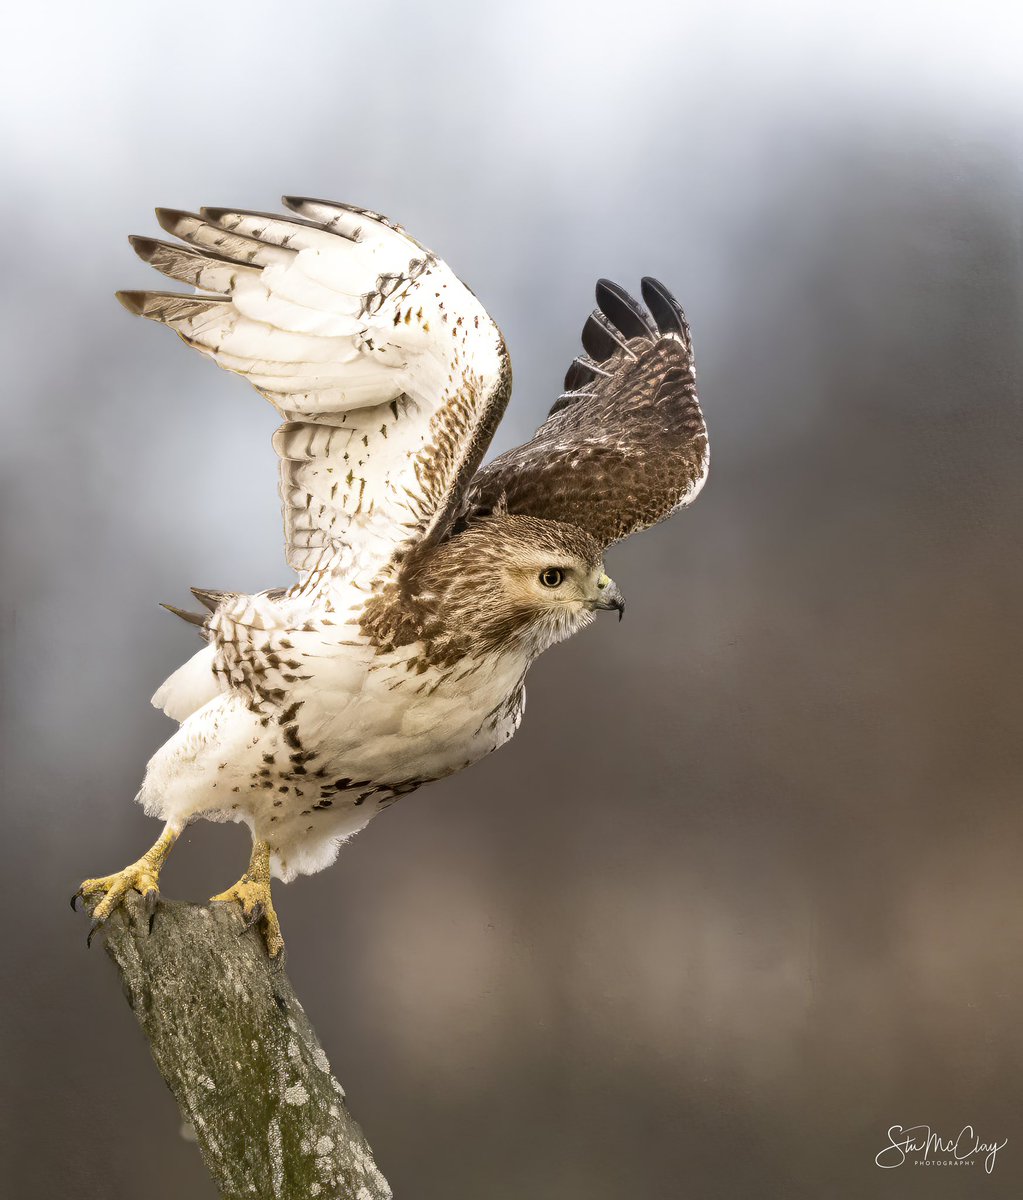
pixel 552 577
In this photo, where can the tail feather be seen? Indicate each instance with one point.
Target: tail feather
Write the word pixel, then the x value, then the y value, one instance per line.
pixel 190 687
pixel 212 598
pixel 191 617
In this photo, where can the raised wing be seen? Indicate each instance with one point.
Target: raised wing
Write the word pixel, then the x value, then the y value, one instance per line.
pixel 389 373
pixel 626 444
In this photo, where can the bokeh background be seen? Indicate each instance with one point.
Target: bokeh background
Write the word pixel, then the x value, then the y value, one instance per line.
pixel 745 889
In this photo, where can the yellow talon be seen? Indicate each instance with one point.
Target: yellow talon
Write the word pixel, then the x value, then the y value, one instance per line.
pixel 252 892
pixel 142 876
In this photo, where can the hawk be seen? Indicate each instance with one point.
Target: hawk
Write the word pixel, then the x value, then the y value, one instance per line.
pixel 426 585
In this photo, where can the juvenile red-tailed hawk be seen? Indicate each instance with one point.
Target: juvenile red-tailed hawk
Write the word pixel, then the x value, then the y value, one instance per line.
pixel 426 586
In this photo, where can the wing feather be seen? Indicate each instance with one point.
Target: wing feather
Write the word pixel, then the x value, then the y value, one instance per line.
pixel 191 228
pixel 389 373
pixel 202 269
pixel 626 445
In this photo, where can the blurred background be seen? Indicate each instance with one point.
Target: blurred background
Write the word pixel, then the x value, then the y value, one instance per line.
pixel 745 890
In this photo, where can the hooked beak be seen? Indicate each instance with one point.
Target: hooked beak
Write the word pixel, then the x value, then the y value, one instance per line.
pixel 609 596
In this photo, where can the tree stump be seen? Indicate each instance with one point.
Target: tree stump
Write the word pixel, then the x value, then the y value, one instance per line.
pixel 235 1047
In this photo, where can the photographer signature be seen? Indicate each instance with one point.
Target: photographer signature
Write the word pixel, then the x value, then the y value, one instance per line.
pixel 921 1140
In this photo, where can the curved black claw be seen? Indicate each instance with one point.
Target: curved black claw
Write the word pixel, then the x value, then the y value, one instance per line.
pixel 254 917
pixel 150 900
pixel 92 929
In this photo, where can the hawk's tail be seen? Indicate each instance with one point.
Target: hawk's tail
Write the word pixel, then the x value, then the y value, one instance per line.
pixel 190 687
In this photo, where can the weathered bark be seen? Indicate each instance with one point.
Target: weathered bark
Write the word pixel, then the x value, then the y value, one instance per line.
pixel 235 1047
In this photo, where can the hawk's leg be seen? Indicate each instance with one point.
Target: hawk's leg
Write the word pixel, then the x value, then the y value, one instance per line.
pixel 143 876
pixel 252 892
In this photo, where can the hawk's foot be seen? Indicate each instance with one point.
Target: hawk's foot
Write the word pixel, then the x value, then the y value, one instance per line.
pixel 252 892
pixel 142 876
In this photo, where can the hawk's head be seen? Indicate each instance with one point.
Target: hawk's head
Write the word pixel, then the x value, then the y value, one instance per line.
pixel 516 583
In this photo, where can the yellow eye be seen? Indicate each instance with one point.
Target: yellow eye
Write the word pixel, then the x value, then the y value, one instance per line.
pixel 552 577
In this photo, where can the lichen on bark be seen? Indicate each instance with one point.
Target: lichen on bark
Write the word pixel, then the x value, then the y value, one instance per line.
pixel 235 1047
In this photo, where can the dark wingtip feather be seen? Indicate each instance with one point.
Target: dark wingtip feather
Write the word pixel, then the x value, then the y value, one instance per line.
pixel 597 341
pixel 169 219
pixel 144 247
pixel 577 376
pixel 215 215
pixel 134 302
pixel 664 308
pixel 623 311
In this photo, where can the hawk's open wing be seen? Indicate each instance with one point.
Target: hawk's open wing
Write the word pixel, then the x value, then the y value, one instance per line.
pixel 389 373
pixel 626 445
